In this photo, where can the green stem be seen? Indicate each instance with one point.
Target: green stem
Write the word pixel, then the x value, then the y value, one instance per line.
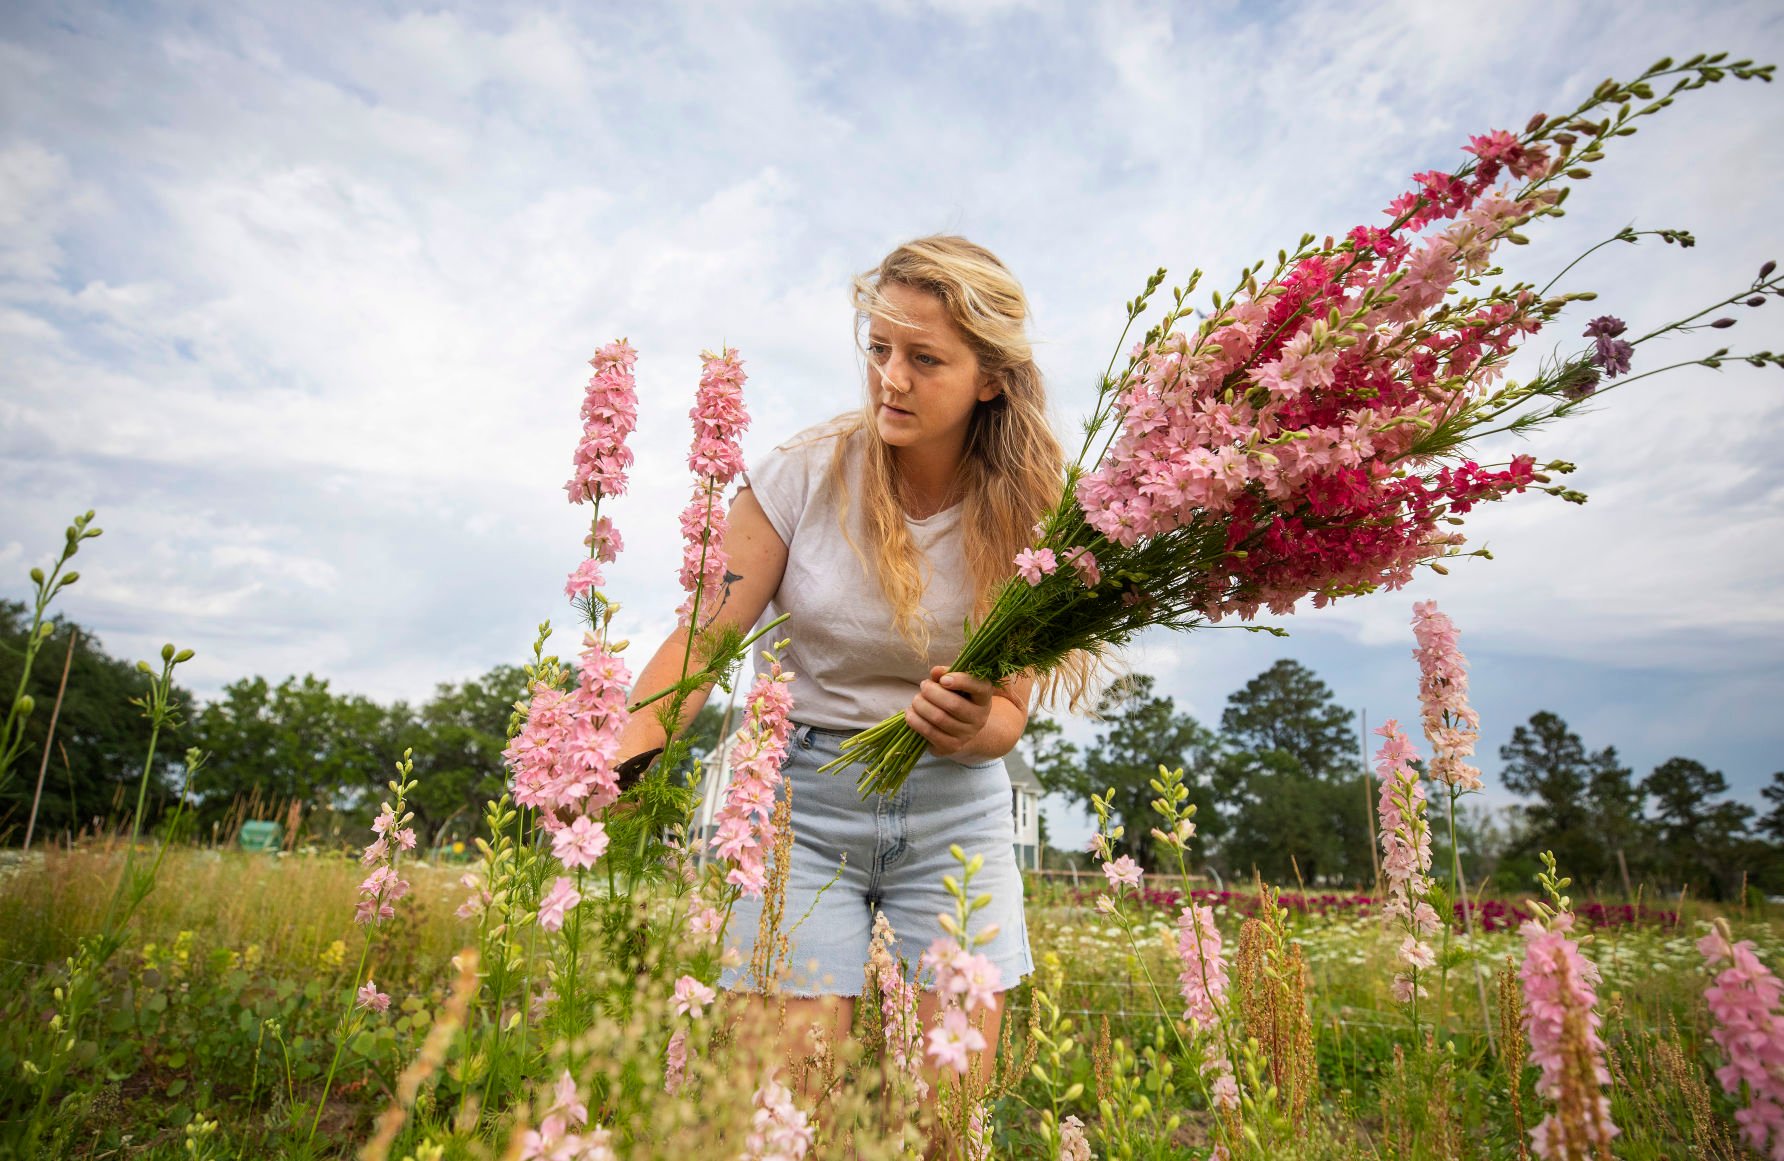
pixel 1617 237
pixel 345 1030
pixel 709 673
pixel 1152 985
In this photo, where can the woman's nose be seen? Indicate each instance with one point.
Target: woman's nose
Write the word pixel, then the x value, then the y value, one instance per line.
pixel 895 382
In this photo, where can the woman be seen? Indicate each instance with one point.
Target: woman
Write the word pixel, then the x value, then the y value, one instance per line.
pixel 879 533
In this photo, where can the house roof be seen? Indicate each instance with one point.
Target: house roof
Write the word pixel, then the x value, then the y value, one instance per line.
pixel 1021 774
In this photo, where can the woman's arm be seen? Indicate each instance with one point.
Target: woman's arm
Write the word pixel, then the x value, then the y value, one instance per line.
pixel 758 557
pixel 967 718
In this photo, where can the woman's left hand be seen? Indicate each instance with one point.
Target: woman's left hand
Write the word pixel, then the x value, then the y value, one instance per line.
pixel 950 709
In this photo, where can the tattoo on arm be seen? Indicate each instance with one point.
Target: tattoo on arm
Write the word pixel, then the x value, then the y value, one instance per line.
pixel 731 578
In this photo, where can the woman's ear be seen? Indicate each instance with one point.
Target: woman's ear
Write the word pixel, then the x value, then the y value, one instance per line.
pixel 990 386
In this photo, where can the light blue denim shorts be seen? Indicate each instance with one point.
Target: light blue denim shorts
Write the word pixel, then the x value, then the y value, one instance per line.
pixel 887 853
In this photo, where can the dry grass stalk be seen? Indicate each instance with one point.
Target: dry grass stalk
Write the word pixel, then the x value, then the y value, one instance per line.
pixel 1710 1135
pixel 769 958
pixel 1100 1059
pixel 1512 1048
pixel 427 1061
pixel 1446 1131
pixel 1272 984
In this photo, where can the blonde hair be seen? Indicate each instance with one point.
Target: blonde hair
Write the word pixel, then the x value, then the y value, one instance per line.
pixel 1013 468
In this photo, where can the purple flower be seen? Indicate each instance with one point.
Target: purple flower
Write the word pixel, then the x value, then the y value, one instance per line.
pixel 1610 352
pixel 1613 356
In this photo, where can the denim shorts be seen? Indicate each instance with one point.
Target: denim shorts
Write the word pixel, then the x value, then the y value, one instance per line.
pixel 887 853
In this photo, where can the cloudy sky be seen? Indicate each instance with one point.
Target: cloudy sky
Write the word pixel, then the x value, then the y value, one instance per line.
pixel 299 298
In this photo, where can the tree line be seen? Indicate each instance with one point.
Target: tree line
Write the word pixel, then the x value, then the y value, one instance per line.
pixel 1279 784
pixel 269 745
pixel 1279 789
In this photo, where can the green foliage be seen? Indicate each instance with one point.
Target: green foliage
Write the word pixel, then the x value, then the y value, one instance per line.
pixel 99 744
pixel 458 737
pixel 297 740
pixel 1547 762
pixel 1141 732
pixel 47 586
pixel 1286 709
pixel 1288 780
pixel 1699 838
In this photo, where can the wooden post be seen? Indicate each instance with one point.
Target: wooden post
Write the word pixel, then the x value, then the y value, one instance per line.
pixel 1369 810
pixel 1623 866
pixel 44 766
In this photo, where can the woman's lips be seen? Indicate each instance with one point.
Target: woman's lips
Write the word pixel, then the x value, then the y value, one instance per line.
pixel 894 409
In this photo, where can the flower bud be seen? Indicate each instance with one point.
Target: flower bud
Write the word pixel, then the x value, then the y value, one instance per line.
pixel 1756 300
pixel 1723 324
pixel 167 653
pixel 25 705
pixel 1766 270
pixel 37 576
pixel 183 655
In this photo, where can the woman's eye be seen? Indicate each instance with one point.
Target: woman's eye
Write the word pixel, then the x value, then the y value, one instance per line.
pixel 931 360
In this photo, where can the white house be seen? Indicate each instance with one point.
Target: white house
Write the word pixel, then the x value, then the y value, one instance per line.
pixel 1025 802
pixel 1025 805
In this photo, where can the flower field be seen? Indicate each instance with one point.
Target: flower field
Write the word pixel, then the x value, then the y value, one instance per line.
pixel 215 1025
pixel 557 995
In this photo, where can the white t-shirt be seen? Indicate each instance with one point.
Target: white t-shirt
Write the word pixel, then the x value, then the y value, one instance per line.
pixel 851 667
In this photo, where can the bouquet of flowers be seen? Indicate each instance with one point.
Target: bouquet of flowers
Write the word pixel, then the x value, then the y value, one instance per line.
pixel 1308 438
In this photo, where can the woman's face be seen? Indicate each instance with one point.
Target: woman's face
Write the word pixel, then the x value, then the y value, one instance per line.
pixel 923 378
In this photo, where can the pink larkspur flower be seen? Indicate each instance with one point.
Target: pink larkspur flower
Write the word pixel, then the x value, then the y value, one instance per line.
pixel 706 923
pixel 563 758
pixel 960 974
pixel 675 1062
pixel 692 996
pixel 477 900
pixel 715 458
pixel 1073 1144
pixel 1406 855
pixel 1034 563
pixel 779 1128
pixel 1744 999
pixel 380 889
pixel 1084 561
pixel 371 999
pixel 587 576
pixel 952 1039
pixel 609 413
pixel 1123 871
pixel 1450 723
pixel 745 826
pixel 1203 985
pixel 562 896
pixel 566 1102
pixel 580 843
pixel 1559 991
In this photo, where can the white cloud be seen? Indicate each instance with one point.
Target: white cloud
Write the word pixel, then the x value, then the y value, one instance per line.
pixel 301 302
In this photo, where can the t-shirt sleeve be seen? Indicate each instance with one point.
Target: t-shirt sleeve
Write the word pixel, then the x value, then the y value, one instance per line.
pixel 782 484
